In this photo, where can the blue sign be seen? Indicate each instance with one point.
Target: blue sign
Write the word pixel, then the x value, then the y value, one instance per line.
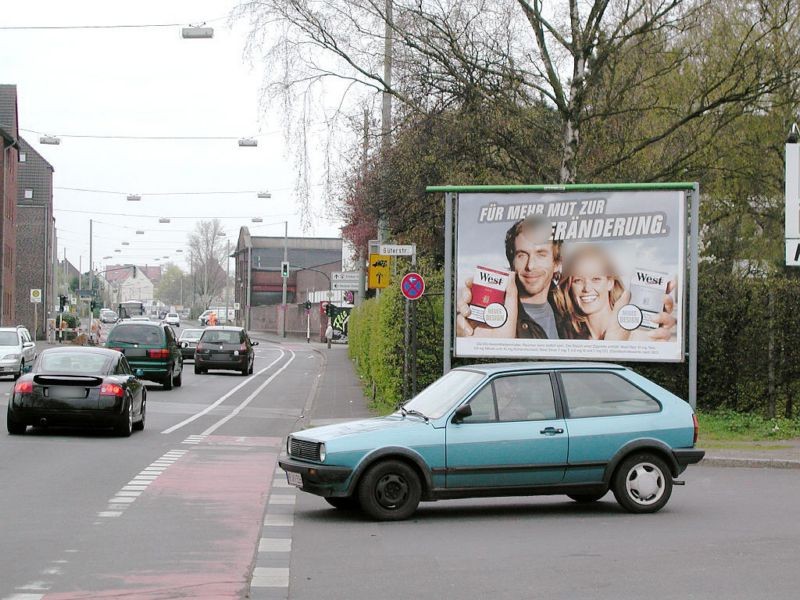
pixel 412 286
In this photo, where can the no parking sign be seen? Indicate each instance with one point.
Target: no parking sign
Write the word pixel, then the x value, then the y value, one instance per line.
pixel 412 286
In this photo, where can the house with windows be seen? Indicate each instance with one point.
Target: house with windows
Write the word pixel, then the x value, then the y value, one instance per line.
pixel 9 158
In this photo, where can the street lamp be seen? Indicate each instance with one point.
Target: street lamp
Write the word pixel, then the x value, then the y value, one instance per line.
pixel 264 195
pixel 248 142
pixel 139 232
pixel 50 140
pixel 126 243
pixel 134 198
pixel 197 32
pixel 256 220
pixel 163 220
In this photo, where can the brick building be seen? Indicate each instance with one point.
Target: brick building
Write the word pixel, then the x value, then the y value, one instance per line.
pixel 36 247
pixel 9 157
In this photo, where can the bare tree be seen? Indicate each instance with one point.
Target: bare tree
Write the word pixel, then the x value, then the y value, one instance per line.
pixel 207 257
pixel 695 64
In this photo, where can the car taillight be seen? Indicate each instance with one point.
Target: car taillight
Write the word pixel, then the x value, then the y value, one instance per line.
pixel 111 389
pixel 696 428
pixel 23 387
pixel 163 353
pixel 117 349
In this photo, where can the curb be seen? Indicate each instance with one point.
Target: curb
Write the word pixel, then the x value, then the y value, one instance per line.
pixel 762 463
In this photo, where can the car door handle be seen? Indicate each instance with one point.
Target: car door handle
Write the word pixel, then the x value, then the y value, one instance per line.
pixel 551 431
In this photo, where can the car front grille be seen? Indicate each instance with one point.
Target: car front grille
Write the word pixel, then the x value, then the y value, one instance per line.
pixel 304 449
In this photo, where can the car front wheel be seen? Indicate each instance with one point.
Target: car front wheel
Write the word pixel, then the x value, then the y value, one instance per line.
pixel 390 491
pixel 642 483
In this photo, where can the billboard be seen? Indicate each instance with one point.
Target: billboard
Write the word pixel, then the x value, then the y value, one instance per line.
pixel 571 275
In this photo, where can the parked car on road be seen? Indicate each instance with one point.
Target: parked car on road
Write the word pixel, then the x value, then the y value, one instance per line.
pixel 226 348
pixel 17 349
pixel 173 319
pixel 78 386
pixel 510 429
pixel 188 341
pixel 151 347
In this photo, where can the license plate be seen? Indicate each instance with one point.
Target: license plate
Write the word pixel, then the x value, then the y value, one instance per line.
pixel 65 392
pixel 294 479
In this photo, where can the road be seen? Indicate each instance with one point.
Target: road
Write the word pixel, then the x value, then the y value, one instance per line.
pixel 192 508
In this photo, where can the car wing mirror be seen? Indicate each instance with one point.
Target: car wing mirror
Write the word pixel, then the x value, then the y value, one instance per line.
pixel 139 372
pixel 28 345
pixel 255 343
pixel 27 368
pixel 462 412
pixel 184 344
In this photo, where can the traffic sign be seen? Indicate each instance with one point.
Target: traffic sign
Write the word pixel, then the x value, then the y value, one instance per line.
pixel 237 306
pixel 412 286
pixel 36 296
pixel 378 271
pixel 397 250
pixel 344 280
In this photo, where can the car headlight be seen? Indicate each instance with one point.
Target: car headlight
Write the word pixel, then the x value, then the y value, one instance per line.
pixel 289 445
pixel 11 356
pixel 322 452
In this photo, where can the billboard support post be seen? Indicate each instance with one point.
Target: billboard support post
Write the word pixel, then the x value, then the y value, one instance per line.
pixel 448 281
pixel 694 242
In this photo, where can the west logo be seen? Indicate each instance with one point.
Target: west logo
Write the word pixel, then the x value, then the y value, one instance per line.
pixel 649 279
pixel 488 278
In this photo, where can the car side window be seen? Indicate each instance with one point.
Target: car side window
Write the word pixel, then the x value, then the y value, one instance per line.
pixel 527 397
pixel 124 367
pixel 604 394
pixel 170 335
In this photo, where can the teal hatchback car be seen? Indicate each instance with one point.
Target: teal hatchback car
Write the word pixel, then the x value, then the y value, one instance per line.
pixel 512 429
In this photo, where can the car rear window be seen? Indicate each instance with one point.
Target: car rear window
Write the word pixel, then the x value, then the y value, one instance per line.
pixel 222 337
pixel 8 338
pixel 190 334
pixel 74 362
pixel 137 334
pixel 604 395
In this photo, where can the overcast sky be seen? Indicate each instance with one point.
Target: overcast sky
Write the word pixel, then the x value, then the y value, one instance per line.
pixel 148 82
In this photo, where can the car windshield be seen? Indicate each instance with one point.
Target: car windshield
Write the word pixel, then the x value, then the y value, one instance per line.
pixel 9 338
pixel 191 334
pixel 137 334
pixel 74 362
pixel 172 315
pixel 436 399
pixel 221 337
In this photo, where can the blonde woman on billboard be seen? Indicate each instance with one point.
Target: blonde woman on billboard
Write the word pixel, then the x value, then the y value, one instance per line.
pixel 591 292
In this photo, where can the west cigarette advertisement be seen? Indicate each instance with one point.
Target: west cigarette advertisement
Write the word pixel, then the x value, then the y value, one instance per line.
pixel 583 275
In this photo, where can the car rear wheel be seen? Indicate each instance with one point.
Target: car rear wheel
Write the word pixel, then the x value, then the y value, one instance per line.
pixel 198 370
pixel 177 381
pixel 587 498
pixel 139 426
pixel 642 483
pixel 390 491
pixel 168 380
pixel 125 426
pixel 250 370
pixel 347 503
pixel 21 369
pixel 14 427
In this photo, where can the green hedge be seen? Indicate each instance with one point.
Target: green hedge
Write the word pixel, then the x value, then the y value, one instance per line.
pixel 744 325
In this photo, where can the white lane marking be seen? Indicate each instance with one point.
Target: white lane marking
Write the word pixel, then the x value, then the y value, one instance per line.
pixel 249 399
pixel 223 398
pixel 282 499
pixel 281 483
pixel 124 492
pixel 35 586
pixel 53 571
pixel 279 520
pixel 109 513
pixel 134 488
pixel 139 482
pixel 270 577
pixel 275 545
pixel 24 597
pixel 122 499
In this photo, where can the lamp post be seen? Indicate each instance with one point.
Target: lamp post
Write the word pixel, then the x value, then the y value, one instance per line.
pixel 285 279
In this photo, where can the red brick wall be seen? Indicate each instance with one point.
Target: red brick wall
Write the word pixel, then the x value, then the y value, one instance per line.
pixel 8 240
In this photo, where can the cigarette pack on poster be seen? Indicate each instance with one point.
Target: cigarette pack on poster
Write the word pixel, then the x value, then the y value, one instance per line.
pixel 488 287
pixel 647 292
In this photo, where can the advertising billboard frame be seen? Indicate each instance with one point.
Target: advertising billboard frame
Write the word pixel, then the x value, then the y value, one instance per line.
pixel 690 252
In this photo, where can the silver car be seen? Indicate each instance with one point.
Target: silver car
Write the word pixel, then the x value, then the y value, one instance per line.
pixel 17 349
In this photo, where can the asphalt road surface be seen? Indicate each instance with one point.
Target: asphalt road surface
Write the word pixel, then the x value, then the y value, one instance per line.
pixel 191 508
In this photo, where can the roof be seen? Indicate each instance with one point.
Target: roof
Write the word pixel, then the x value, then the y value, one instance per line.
pixel 81 350
pixel 26 147
pixel 9 121
pixel 223 328
pixel 562 187
pixel 504 367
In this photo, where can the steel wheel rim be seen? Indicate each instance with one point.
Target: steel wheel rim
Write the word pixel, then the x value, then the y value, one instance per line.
pixel 645 483
pixel 392 491
pixel 130 417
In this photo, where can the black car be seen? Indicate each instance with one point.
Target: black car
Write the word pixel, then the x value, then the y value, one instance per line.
pixel 227 348
pixel 151 347
pixel 187 341
pixel 78 386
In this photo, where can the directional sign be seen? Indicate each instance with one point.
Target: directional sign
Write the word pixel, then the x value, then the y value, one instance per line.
pixel 793 253
pixel 412 286
pixel 347 280
pixel 397 250
pixel 378 271
pixel 36 296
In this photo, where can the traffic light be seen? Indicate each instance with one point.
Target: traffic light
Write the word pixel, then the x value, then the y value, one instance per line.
pixel 284 269
pixel 308 305
pixel 329 309
pixel 62 301
pixel 92 304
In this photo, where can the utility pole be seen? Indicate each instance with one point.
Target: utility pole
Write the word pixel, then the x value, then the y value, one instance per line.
pixel 91 282
pixel 285 279
pixel 227 277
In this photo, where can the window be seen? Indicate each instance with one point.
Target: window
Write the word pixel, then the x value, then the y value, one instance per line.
pixel 23 157
pixel 526 397
pixel 604 394
pixel 28 194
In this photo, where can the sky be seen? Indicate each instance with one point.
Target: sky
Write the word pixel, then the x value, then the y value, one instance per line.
pixel 149 82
